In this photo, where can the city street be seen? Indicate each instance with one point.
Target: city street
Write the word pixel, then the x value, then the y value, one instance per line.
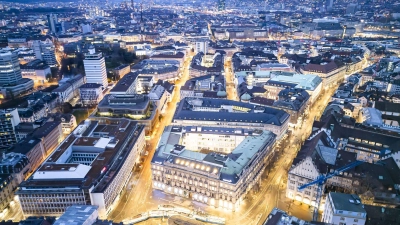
pixel 229 79
pixel 88 89
pixel 141 182
pixel 140 197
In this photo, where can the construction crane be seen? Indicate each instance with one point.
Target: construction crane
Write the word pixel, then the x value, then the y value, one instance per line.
pixel 321 180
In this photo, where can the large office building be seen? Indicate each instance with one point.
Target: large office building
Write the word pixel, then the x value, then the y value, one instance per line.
pixel 36 70
pixel 52 22
pixel 95 68
pixel 201 46
pixel 188 165
pixel 137 107
pixel 13 168
pixel 69 87
pixel 11 81
pixel 90 94
pixel 10 72
pixel 331 73
pixel 45 50
pixel 9 119
pixel 279 81
pixel 37 146
pixel 90 167
pixel 228 113
pixel 295 102
pixel 221 5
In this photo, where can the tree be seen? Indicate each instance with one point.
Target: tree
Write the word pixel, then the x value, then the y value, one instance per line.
pixel 66 107
pixel 54 72
pixel 48 76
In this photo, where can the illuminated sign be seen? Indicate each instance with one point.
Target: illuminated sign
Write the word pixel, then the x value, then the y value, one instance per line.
pixel 237 108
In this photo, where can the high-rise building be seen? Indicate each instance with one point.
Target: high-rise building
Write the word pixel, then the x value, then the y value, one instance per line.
pixel 10 72
pixel 221 5
pixel 351 8
pixel 45 50
pixel 52 21
pixel 11 81
pixel 95 68
pixel 330 5
pixel 86 28
pixel 201 46
pixel 9 119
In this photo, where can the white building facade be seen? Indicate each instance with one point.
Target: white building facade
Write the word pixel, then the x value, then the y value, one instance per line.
pixel 342 209
pixel 95 68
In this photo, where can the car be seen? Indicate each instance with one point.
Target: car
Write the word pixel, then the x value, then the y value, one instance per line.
pixel 146 153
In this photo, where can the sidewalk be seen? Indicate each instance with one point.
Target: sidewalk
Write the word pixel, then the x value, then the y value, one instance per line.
pixel 297 209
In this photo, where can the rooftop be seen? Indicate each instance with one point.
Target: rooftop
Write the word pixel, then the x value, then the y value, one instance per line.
pixel 90 85
pixel 60 169
pixel 77 215
pixel 228 167
pixel 124 101
pixel 46 129
pixel 227 110
pixel 347 202
pixel 304 81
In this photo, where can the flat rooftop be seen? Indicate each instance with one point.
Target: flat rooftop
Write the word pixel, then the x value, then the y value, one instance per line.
pixel 138 102
pixel 125 82
pixel 229 111
pixel 226 167
pixel 60 173
pixel 304 81
pixel 77 215
pixel 347 202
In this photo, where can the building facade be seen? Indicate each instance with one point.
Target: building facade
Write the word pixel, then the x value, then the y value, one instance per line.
pixel 95 68
pixel 69 88
pixel 13 168
pixel 216 178
pixel 227 113
pixel 37 71
pixel 83 170
pixel 9 119
pixel 344 209
pixel 90 93
pixel 11 72
pixel 45 50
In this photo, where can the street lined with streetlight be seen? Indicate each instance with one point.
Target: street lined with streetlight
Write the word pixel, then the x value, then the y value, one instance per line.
pixel 260 203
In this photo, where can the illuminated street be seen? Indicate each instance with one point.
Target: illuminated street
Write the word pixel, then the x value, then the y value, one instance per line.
pixel 199 112
pixel 141 182
pixel 271 194
pixel 230 78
